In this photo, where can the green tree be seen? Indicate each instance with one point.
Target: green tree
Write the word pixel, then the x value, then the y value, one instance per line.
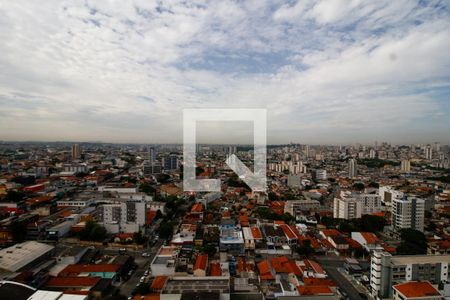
pixel 14 196
pixel 209 249
pixel 165 230
pixel 413 242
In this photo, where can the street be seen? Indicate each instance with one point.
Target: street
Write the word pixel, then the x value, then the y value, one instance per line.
pixel 331 265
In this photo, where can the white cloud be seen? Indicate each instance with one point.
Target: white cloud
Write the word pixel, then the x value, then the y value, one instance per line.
pixel 123 71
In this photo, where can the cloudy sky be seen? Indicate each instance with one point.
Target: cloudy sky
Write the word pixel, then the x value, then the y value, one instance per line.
pixel 331 71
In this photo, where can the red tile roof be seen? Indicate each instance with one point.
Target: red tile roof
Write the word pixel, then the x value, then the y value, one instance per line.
pixel 314 290
pixel 76 269
pixel 288 232
pixel 215 270
pixel 73 281
pixel 159 282
pixel 319 281
pixel 198 207
pixel 415 289
pixel 370 238
pixel 330 232
pixel 200 262
pixel 256 232
pixel 264 270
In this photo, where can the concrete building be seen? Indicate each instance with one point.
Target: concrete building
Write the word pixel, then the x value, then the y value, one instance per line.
pixel 170 162
pixel 408 212
pixel 347 208
pixel 20 256
pixel 416 290
pixel 295 206
pixel 388 194
pixel 405 166
pixel 352 168
pixel 354 205
pixel 320 174
pixel 76 151
pixel 128 216
pixel 387 270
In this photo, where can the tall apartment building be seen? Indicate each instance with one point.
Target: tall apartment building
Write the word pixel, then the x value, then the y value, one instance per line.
pixel 320 174
pixel 170 162
pixel 352 168
pixel 127 216
pixel 347 208
pixel 405 166
pixel 388 194
pixel 428 152
pixel 76 151
pixel 387 270
pixel 354 205
pixel 151 154
pixel 408 212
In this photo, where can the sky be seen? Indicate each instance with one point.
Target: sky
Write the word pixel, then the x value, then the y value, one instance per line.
pixel 328 71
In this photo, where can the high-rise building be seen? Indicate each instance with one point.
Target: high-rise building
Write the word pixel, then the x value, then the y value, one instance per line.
pixel 428 152
pixel 405 166
pixel 306 151
pixel 354 205
pixel 408 212
pixel 127 216
pixel 151 154
pixel 372 153
pixel 170 162
pixel 320 174
pixel 387 270
pixel 347 208
pixel 352 168
pixel 76 151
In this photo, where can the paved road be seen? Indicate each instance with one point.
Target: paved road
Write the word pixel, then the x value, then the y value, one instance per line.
pixel 143 264
pixel 330 266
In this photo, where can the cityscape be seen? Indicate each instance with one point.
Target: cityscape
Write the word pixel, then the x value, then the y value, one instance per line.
pixel 225 150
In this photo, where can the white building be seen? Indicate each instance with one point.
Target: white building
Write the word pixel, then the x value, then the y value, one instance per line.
pixel 320 174
pixel 387 270
pixel 405 166
pixel 353 206
pixel 127 216
pixel 352 168
pixel 408 212
pixel 388 194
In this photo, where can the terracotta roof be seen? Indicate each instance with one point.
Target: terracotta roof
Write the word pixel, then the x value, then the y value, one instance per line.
pixel 415 289
pixel 370 237
pixel 330 232
pixel 256 232
pixel 315 266
pixel 200 262
pixel 288 232
pixel 73 281
pixel 147 297
pixel 319 281
pixel 198 207
pixel 215 270
pixel 159 282
pixel 314 290
pixel 76 269
pixel 264 270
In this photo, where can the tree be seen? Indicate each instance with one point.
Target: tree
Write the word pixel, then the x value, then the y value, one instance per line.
pixel 14 196
pixel 18 231
pixel 165 230
pixel 305 248
pixel 359 186
pixel 209 249
pixel 413 242
pixel 93 232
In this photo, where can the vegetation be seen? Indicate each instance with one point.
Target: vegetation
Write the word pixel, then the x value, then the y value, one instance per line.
pixel 266 213
pixel 93 232
pixel 209 249
pixel 13 196
pixel 413 242
pixel 377 163
pixel 367 223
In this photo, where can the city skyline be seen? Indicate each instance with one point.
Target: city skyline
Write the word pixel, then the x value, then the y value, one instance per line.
pixel 327 73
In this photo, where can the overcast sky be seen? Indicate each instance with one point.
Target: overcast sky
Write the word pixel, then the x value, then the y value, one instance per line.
pixel 327 71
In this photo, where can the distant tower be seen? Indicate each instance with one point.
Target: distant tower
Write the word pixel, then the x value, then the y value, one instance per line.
pixel 307 150
pixel 372 153
pixel 406 166
pixel 151 153
pixel 428 152
pixel 76 151
pixel 352 168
